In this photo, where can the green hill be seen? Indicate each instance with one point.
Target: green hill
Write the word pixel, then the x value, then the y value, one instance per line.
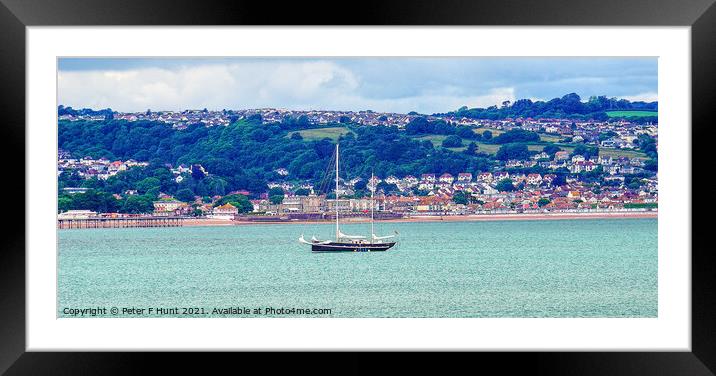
pixel 320 133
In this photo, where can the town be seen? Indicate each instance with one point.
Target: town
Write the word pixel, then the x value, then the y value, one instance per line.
pixel 621 133
pixel 601 172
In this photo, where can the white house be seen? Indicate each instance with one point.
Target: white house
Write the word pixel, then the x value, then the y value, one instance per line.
pixel 446 178
pixel 226 211
pixel 464 177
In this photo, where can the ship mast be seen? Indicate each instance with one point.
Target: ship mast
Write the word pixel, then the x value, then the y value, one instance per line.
pixel 336 202
pixel 372 204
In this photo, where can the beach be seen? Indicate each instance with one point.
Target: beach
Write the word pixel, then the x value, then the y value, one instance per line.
pixel 445 218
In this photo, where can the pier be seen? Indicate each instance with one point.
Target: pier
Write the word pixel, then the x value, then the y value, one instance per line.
pixel 120 222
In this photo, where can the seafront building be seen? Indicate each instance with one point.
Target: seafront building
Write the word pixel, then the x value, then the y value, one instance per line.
pixel 226 211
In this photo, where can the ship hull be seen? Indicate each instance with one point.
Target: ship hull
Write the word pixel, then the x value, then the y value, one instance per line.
pixel 351 247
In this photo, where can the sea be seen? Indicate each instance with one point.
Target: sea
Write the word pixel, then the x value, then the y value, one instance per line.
pixel 532 268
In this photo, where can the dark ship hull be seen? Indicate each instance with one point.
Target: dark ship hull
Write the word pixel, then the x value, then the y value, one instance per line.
pixel 351 247
pixel 347 243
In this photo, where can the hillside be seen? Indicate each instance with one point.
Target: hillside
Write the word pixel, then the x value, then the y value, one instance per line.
pixel 245 155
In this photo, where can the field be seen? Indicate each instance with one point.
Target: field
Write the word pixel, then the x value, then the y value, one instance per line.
pixel 437 141
pixel 496 132
pixel 549 137
pixel 622 153
pixel 320 133
pixel 632 113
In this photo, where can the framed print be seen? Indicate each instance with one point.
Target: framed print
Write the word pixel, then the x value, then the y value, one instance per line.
pixel 519 183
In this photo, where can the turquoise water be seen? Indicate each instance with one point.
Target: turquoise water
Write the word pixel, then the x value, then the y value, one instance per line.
pixel 555 268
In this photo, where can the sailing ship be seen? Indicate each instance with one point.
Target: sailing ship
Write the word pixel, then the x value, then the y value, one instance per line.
pixel 351 243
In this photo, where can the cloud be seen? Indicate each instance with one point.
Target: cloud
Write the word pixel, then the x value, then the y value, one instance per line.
pixel 643 97
pixel 242 85
pixel 425 85
pixel 293 85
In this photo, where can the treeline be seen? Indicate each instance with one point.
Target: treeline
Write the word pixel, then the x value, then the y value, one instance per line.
pixel 62 110
pixel 569 106
pixel 422 126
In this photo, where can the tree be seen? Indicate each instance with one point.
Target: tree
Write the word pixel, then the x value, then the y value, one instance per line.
pixel 592 176
pixel 427 144
pixel 420 192
pixel 417 125
pixel 302 192
pixel 647 144
pixel 460 198
pixel 559 179
pixel 216 186
pixel 197 173
pixel 64 203
pixel 452 141
pixel 487 135
pixel 387 188
pixel 586 151
pixel 241 202
pixel 98 201
pixel 465 132
pixel 92 183
pixel 607 135
pixel 471 149
pixel 148 184
pixel 138 204
pixel 516 135
pixel 260 135
pixel 505 185
pixel 276 195
pixel 551 149
pixel 255 118
pixel 296 136
pixel 512 151
pixel 303 121
pixel 599 116
pixel 275 191
pixel 634 185
pixel 116 186
pixel 543 201
pixel 185 194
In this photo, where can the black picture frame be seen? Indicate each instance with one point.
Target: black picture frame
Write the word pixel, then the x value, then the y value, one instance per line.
pixel 15 15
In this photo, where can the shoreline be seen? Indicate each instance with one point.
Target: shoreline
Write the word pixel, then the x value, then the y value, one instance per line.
pixel 430 219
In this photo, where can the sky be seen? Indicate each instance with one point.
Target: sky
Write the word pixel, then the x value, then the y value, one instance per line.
pixel 383 84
